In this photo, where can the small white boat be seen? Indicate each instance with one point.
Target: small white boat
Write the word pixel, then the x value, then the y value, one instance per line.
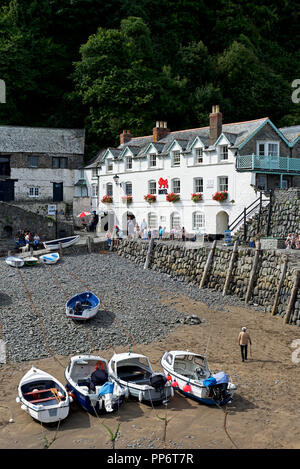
pixel 14 261
pixel 50 258
pixel 43 396
pixel 134 372
pixel 54 244
pixel 189 374
pixel 89 383
pixel 82 306
pixel 30 261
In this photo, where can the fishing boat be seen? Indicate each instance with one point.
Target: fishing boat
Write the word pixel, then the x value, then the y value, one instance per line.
pixel 14 261
pixel 82 306
pixel 54 244
pixel 30 261
pixel 189 374
pixel 50 258
pixel 89 384
pixel 133 371
pixel 43 397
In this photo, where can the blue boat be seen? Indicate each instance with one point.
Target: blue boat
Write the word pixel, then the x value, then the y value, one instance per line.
pixel 82 306
pixel 89 384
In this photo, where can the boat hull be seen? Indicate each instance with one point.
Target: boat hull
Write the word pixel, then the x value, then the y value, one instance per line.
pixel 54 244
pixel 49 258
pixel 14 261
pixel 88 311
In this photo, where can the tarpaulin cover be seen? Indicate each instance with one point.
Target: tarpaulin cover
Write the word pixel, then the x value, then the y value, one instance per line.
pixel 210 382
pixel 107 388
pixel 221 377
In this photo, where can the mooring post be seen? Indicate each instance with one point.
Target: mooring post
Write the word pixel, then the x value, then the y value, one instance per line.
pixel 60 249
pixel 150 247
pixel 89 244
pixel 281 280
pixel 292 297
pixel 230 269
pixel 208 263
pixel 253 271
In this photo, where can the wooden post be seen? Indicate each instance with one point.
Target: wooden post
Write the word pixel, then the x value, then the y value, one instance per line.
pixel 60 249
pixel 253 272
pixel 208 263
pixel 230 269
pixel 89 244
pixel 150 247
pixel 281 280
pixel 292 297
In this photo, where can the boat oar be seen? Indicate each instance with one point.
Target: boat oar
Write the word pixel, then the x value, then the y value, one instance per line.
pixel 54 391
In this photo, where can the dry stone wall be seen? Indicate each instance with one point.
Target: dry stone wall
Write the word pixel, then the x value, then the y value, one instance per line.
pixel 189 264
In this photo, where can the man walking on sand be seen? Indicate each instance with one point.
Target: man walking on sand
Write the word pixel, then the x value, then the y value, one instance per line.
pixel 243 340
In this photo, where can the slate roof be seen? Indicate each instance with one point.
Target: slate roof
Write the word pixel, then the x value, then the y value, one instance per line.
pixel 41 140
pixel 291 133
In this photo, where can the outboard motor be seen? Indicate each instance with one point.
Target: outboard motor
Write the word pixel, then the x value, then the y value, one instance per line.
pixel 158 381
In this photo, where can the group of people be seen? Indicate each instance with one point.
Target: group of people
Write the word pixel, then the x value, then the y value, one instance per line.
pixel 27 239
pixel 292 241
pixel 92 226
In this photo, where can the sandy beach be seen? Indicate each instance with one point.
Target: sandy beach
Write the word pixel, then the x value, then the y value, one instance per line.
pixel 264 413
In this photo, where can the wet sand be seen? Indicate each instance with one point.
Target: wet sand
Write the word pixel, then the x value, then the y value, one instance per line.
pixel 264 413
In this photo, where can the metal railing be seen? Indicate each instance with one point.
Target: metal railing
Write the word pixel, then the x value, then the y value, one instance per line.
pixel 268 163
pixel 253 208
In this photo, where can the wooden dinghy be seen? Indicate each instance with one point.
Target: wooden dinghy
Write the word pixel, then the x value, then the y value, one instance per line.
pixel 134 372
pixel 82 306
pixel 54 244
pixel 89 383
pixel 43 397
pixel 189 374
pixel 50 258
pixel 30 261
pixel 14 261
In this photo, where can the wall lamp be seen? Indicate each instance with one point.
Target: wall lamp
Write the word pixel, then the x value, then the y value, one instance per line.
pixel 116 179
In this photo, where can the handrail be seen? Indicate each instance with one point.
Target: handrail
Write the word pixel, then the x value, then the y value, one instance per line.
pixel 242 215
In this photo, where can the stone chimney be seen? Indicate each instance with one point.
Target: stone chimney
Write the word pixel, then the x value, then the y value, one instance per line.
pixel 125 137
pixel 215 124
pixel 160 131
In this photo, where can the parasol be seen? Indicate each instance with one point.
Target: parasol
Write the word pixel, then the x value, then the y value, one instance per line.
pixel 84 214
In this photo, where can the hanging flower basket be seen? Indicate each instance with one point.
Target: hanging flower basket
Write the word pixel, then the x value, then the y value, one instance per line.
pixel 127 199
pixel 196 197
pixel 172 197
pixel 150 198
pixel 220 196
pixel 107 199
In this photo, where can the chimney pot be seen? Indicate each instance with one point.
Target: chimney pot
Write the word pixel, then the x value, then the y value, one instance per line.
pixel 160 131
pixel 125 137
pixel 215 124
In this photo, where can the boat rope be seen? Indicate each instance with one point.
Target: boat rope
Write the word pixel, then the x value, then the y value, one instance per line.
pixel 225 424
pixel 39 318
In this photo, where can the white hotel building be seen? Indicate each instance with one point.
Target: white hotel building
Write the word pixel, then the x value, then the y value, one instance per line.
pixel 238 158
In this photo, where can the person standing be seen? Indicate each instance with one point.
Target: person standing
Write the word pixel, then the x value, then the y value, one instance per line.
pixel 143 225
pixel 243 341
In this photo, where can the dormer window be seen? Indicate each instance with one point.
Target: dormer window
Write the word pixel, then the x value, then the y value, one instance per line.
pixel 223 152
pixel 176 158
pixel 152 160
pixel 128 162
pixel 109 165
pixel 199 155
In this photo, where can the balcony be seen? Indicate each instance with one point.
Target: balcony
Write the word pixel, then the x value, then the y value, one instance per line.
pixel 270 164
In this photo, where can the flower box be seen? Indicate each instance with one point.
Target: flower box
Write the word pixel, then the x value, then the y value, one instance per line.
pixel 107 199
pixel 196 197
pixel 172 197
pixel 127 199
pixel 220 196
pixel 150 198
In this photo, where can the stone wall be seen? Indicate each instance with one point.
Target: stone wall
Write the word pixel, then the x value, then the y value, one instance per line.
pixel 14 218
pixel 188 264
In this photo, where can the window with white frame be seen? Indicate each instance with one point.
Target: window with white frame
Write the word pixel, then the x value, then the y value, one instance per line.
pixel 152 220
pixel 128 162
pixel 94 190
pixel 175 221
pixel 94 173
pixel 198 184
pixel 223 183
pixel 152 187
pixel 128 188
pixel 82 174
pixel 198 221
pixel 268 149
pixel 34 191
pixel 152 160
pixel 199 155
pixel 176 158
pixel 109 165
pixel 109 189
pixel 223 152
pixel 176 186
